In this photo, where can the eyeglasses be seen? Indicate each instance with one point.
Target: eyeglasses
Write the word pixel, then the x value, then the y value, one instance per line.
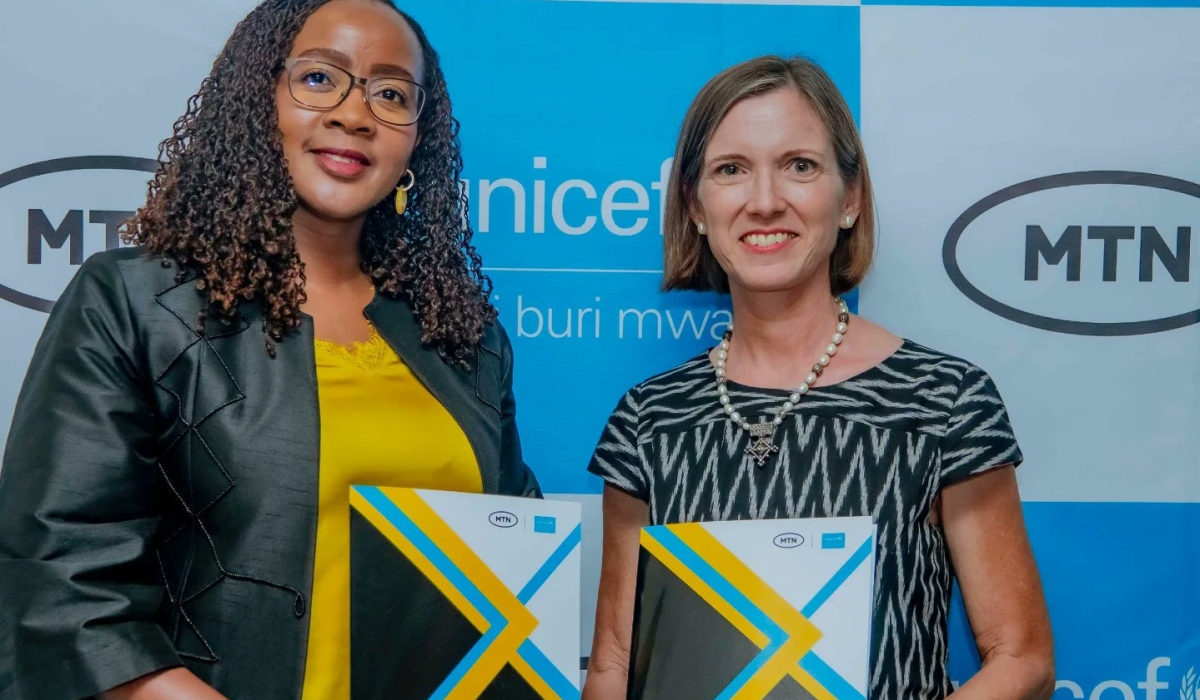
pixel 319 85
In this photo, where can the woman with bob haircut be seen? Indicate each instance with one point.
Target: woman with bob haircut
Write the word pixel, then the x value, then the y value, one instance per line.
pixel 804 410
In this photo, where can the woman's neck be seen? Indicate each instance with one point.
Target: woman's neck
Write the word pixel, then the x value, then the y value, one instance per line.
pixel 335 285
pixel 778 336
pixel 328 249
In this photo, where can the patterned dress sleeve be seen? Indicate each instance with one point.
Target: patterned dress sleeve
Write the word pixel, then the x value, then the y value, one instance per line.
pixel 979 436
pixel 616 459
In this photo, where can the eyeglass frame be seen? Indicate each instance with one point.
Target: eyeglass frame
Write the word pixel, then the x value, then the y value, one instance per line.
pixel 287 64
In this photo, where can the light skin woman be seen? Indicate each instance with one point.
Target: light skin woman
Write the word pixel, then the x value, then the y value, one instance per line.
pixel 771 201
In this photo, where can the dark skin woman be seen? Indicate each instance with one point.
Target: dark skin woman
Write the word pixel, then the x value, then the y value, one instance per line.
pixel 329 234
pixel 159 501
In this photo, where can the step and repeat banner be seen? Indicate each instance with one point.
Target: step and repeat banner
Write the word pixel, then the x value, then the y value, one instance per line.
pixel 1036 168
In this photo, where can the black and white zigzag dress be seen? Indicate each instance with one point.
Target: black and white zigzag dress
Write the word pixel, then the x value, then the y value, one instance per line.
pixel 882 443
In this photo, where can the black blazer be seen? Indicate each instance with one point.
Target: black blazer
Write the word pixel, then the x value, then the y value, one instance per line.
pixel 158 499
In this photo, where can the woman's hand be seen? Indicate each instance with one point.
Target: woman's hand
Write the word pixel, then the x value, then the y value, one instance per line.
pixel 985 533
pixel 172 684
pixel 608 666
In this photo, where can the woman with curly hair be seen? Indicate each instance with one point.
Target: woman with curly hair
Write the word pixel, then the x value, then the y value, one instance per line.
pixel 303 310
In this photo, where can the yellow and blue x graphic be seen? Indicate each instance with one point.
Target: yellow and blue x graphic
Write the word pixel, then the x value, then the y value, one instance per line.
pixel 475 590
pixel 785 635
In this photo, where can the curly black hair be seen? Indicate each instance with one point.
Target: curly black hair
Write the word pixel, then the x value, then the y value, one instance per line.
pixel 221 202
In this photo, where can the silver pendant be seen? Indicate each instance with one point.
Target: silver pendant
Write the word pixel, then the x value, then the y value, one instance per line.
pixel 760 446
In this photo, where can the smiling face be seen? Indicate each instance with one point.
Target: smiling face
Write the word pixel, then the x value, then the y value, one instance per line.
pixel 770 197
pixel 344 160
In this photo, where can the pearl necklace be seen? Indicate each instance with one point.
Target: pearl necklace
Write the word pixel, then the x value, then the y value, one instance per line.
pixel 761 446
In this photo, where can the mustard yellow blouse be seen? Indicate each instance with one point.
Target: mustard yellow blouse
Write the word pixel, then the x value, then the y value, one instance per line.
pixel 379 426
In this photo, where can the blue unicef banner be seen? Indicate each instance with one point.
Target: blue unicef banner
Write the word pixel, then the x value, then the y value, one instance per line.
pixel 569 113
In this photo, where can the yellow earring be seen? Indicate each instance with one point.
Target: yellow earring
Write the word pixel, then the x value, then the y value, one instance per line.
pixel 402 192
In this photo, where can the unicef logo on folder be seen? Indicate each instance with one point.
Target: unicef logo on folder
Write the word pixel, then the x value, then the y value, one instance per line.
pixel 833 540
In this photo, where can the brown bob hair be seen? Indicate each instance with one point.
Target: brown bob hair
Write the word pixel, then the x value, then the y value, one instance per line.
pixel 688 262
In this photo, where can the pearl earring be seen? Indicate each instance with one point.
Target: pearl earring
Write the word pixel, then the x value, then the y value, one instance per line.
pixel 848 222
pixel 700 228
